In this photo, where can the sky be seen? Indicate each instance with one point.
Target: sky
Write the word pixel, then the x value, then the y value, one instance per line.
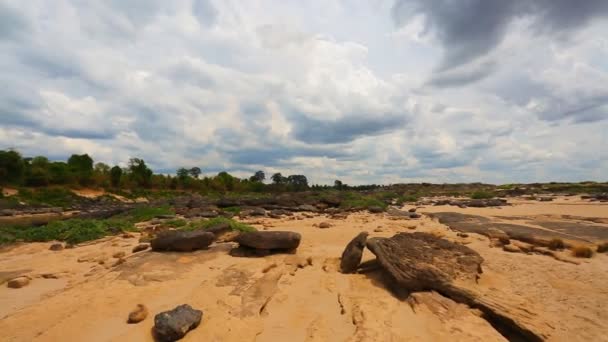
pixel 376 91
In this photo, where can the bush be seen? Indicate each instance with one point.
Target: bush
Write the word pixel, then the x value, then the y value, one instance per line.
pixel 55 197
pixel 482 195
pixel 582 252
pixel 234 225
pixel 176 223
pixel 556 244
pixel 355 200
pixel 234 210
pixel 602 248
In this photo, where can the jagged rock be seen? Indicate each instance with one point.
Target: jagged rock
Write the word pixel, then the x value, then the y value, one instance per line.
pixel 351 257
pixel 270 240
pixel 175 324
pixel 180 241
pixel 423 262
pixel 140 247
pixel 139 314
pixel 56 247
pixel 18 282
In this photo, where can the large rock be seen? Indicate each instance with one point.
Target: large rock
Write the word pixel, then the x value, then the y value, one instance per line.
pixel 351 257
pixel 307 207
pixel 375 209
pixel 18 282
pixel 423 262
pixel 173 325
pixel 270 240
pixel 181 241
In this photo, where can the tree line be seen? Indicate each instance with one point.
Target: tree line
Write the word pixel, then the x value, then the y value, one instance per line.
pixel 81 170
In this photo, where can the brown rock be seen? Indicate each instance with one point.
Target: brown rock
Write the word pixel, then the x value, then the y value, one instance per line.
pixel 56 247
pixel 270 240
pixel 18 282
pixel 180 241
pixel 511 249
pixel 351 257
pixel 141 247
pixel 119 255
pixel 139 314
pixel 324 225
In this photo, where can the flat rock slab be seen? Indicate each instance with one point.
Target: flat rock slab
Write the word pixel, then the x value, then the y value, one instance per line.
pixel 174 324
pixel 180 241
pixel 270 240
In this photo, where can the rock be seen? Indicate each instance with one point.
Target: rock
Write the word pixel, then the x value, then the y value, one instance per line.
pixel 378 230
pixel 546 199
pixel 351 257
pixel 332 201
pixel 258 212
pixel 375 209
pixel 127 236
pixel 139 314
pixel 181 241
pixel 307 207
pixel 462 235
pixel 511 249
pixel 18 282
pixel 270 240
pixel 141 247
pixel 173 325
pixel 324 225
pixel 165 217
pixel 208 214
pixel 56 247
pixel 414 215
pixel 412 210
pixel 227 202
pixel 497 234
pixel 119 255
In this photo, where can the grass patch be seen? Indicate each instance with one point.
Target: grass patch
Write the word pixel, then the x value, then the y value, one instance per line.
pixel 141 214
pixel 556 244
pixel 602 248
pixel 176 223
pixel 54 197
pixel 482 195
pixel 204 224
pixel 234 210
pixel 354 200
pixel 407 199
pixel 582 252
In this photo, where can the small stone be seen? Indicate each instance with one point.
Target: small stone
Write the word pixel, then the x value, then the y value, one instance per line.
pixel 56 247
pixel 324 225
pixel 462 235
pixel 412 210
pixel 18 282
pixel 139 314
pixel 141 247
pixel 119 255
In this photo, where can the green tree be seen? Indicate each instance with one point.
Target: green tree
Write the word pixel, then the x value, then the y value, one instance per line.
pixel 297 182
pixel 278 178
pixel 338 184
pixel 259 176
pixel 102 168
pixel 115 175
pixel 59 173
pixel 195 172
pixel 12 168
pixel 139 172
pixel 81 167
pixel 182 173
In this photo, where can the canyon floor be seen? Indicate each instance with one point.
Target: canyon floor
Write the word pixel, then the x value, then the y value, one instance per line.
pixel 79 294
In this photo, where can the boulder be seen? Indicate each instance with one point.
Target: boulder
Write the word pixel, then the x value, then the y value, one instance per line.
pixel 307 207
pixel 270 240
pixel 351 257
pixel 139 314
pixel 18 282
pixel 375 209
pixel 227 202
pixel 412 210
pixel 173 325
pixel 180 241
pixel 324 225
pixel 258 211
pixel 208 214
pixel 56 247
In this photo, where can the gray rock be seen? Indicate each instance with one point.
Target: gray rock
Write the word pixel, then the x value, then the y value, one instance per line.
pixel 375 209
pixel 351 257
pixel 173 325
pixel 270 240
pixel 307 207
pixel 180 241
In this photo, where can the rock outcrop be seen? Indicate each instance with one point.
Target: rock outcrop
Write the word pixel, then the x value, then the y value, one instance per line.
pixel 273 240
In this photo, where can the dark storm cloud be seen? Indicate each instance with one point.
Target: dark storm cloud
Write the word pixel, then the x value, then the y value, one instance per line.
pixel 345 129
pixel 469 29
pixel 456 77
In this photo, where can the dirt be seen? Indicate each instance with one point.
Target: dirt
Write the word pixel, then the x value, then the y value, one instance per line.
pixel 301 296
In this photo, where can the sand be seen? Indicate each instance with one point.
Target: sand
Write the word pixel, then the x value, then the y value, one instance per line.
pixel 299 297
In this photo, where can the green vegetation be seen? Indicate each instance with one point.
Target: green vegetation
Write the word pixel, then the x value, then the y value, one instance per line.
pixel 482 195
pixel 401 200
pixel 54 197
pixel 234 225
pixel 141 214
pixel 176 223
pixel 356 200
pixel 234 210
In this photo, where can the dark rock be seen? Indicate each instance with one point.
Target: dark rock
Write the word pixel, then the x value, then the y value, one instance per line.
pixel 173 325
pixel 332 201
pixel 324 225
pixel 375 209
pixel 140 247
pixel 208 214
pixel 307 207
pixel 181 241
pixel 227 202
pixel 56 247
pixel 545 199
pixel 414 215
pixel 258 212
pixel 412 210
pixel 270 240
pixel 351 257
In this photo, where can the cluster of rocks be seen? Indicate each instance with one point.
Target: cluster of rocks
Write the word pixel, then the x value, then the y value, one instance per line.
pixel 596 197
pixel 170 325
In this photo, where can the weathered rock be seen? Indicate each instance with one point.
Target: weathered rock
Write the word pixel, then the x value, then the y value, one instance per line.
pixel 18 282
pixel 412 210
pixel 208 214
pixel 175 324
pixel 307 207
pixel 141 247
pixel 119 255
pixel 139 314
pixel 324 225
pixel 499 235
pixel 258 212
pixel 227 202
pixel 511 249
pixel 351 257
pixel 56 247
pixel 180 241
pixel 375 209
pixel 270 240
